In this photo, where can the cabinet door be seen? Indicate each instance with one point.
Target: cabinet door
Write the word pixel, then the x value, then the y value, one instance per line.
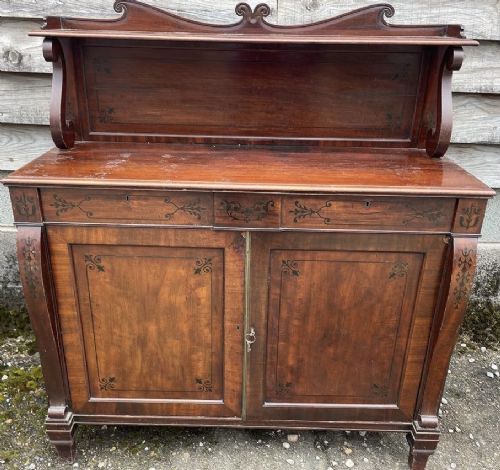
pixel 341 323
pixel 152 319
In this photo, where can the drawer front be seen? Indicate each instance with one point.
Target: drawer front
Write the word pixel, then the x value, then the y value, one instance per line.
pixel 165 207
pixel 247 210
pixel 342 212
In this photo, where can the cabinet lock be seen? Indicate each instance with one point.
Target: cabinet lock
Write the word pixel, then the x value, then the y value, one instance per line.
pixel 250 339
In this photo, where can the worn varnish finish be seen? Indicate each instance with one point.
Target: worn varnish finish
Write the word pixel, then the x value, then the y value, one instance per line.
pixel 236 215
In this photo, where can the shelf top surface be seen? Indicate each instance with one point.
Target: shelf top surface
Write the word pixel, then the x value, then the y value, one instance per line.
pixel 261 39
pixel 249 168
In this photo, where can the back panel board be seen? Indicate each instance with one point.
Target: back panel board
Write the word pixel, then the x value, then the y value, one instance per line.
pixel 342 93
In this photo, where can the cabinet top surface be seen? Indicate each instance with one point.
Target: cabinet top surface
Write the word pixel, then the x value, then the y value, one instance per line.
pixel 249 168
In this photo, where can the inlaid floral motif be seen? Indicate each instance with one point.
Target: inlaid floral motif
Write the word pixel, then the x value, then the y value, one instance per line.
pixel 203 265
pixel 380 390
pixel 24 205
pixel 399 269
pixel 236 211
pixel 301 211
pixel 107 383
pixel 470 216
pixel 193 208
pixel 464 276
pixel 204 385
pixel 106 115
pixel 290 266
pixel 285 389
pixel 94 263
pixel 29 255
pixel 62 205
pixel 432 215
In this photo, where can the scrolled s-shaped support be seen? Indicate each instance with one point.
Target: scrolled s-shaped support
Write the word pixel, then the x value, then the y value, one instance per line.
pixel 438 139
pixel 61 129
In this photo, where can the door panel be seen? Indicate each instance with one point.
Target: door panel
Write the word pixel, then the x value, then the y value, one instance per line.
pixel 341 322
pixel 159 323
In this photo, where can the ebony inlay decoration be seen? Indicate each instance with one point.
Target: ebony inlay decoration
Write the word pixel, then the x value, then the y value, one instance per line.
pixel 301 211
pixel 380 390
pixel 107 383
pixel 29 256
pixel 290 266
pixel 284 389
pixel 25 205
pixel 470 216
pixel 237 211
pixel 204 385
pixel 432 215
pixel 464 276
pixel 62 205
pixel 399 269
pixel 193 208
pixel 107 115
pixel 203 265
pixel 94 263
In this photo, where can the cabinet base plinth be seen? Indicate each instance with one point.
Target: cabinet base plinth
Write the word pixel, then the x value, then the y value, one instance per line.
pixel 423 443
pixel 61 431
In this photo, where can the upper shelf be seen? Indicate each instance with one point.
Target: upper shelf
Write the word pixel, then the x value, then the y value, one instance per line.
pixel 362 26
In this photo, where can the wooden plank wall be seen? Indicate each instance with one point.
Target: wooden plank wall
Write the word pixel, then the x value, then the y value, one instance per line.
pixel 25 77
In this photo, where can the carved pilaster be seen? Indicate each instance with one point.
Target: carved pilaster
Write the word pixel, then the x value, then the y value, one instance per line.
pixel 35 273
pixel 455 290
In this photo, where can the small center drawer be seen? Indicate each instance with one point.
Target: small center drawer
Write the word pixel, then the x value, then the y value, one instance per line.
pixel 247 210
pixel 342 212
pixel 165 207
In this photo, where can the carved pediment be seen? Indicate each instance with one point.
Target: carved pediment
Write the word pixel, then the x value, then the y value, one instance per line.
pixel 139 17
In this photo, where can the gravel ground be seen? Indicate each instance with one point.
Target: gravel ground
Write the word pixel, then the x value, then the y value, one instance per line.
pixel 470 421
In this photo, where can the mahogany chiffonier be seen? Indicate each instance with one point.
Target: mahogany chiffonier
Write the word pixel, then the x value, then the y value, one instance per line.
pixel 248 225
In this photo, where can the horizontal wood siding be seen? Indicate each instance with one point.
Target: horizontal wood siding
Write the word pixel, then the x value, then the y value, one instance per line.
pixel 18 51
pixel 481 18
pixel 480 72
pixel 21 144
pixel 220 11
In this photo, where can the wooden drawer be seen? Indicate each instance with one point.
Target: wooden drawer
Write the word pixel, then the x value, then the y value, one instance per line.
pixel 247 210
pixel 121 206
pixel 343 212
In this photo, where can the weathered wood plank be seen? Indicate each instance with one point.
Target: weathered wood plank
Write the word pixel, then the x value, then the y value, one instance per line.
pixel 24 98
pixel 21 144
pixel 18 51
pixel 480 72
pixel 483 161
pixel 480 18
pixel 221 11
pixel 476 119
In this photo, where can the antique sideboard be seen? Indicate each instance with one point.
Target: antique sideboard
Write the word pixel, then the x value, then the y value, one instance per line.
pixel 248 225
